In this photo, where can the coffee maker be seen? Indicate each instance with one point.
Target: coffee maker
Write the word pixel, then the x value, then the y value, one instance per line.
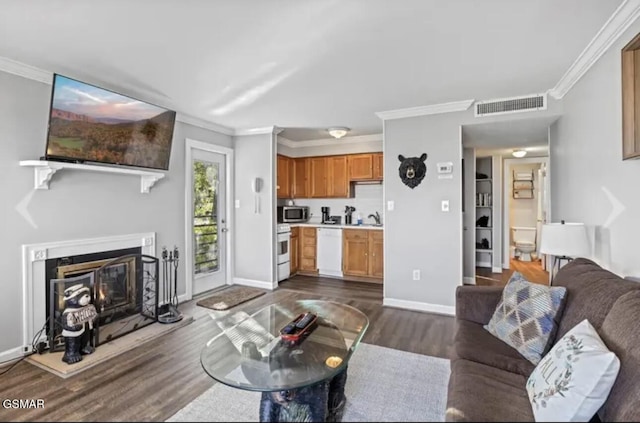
pixel 325 214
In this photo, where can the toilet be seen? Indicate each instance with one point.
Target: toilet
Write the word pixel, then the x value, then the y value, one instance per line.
pixel 524 239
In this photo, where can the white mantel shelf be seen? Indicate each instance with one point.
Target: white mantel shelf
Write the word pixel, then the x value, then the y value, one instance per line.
pixel 43 170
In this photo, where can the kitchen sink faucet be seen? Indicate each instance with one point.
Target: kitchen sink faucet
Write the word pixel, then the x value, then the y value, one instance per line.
pixel 376 217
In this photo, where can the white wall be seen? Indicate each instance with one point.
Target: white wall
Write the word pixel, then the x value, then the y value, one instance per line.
pixel 78 205
pixel 590 182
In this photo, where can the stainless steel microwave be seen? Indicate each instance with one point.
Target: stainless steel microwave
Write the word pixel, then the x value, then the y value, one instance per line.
pixel 293 214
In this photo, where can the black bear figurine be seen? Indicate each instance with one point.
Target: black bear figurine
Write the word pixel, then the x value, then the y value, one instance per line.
pixel 77 315
pixel 482 222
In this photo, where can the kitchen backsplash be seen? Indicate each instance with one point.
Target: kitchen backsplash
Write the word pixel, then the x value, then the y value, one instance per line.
pixel 367 200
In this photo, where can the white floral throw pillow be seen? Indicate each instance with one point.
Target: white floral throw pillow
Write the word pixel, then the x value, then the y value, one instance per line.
pixel 574 379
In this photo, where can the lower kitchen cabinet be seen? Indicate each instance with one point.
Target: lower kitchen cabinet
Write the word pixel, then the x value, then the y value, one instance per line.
pixel 362 253
pixel 308 242
pixel 294 251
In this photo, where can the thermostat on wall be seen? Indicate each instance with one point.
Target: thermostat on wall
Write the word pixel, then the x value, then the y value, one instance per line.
pixel 445 170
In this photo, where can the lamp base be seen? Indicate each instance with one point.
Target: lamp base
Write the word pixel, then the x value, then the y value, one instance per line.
pixel 557 263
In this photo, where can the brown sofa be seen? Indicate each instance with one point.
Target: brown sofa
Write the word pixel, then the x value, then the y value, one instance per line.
pixel 488 377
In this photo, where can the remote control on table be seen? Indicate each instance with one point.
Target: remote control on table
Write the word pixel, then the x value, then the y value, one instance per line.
pixel 302 323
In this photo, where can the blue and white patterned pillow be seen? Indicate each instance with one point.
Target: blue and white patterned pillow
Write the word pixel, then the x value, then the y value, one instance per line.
pixel 526 316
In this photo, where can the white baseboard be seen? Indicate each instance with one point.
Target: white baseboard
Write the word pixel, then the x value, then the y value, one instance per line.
pixel 415 305
pixel 496 269
pixel 11 354
pixel 483 264
pixel 467 280
pixel 330 273
pixel 255 283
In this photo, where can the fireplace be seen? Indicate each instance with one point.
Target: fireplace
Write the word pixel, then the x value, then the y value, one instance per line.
pixel 124 291
pixel 35 277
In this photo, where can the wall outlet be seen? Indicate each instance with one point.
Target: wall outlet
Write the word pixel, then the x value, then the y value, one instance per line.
pixel 445 205
pixel 416 275
pixel 390 205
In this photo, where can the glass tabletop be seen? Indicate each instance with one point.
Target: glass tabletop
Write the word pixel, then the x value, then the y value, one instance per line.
pixel 250 354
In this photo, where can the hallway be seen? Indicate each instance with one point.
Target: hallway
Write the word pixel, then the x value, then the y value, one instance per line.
pixel 531 270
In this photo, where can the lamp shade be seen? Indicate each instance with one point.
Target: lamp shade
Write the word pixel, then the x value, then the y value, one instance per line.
pixel 564 239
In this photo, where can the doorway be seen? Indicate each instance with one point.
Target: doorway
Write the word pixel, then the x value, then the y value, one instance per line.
pixel 207 212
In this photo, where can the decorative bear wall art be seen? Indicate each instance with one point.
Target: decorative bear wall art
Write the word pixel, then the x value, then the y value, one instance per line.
pixel 412 170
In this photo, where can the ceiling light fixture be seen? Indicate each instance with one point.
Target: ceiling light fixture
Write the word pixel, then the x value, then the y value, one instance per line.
pixel 519 153
pixel 338 132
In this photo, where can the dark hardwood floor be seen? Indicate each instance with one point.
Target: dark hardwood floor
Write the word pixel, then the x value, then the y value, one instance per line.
pixel 158 378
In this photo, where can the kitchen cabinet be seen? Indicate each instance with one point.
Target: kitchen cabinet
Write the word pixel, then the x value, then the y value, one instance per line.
pixel 294 250
pixel 363 253
pixel 308 242
pixel 631 99
pixel 283 171
pixel 318 180
pixel 338 186
pixel 300 177
pixel 378 166
pixel 361 167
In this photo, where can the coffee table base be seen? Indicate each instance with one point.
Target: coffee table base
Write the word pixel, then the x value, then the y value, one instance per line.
pixel 322 402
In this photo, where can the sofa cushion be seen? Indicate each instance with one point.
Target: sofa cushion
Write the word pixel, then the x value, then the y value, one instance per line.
pixel 472 342
pixel 591 292
pixel 526 317
pixel 574 379
pixel 478 392
pixel 620 332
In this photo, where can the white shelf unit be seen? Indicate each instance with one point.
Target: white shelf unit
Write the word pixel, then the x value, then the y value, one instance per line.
pixel 484 208
pixel 43 171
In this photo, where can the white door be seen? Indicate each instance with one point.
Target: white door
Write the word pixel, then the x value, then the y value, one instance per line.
pixel 208 220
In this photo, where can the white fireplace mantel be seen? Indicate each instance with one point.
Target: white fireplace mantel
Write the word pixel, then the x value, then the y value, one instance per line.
pixel 34 257
pixel 43 170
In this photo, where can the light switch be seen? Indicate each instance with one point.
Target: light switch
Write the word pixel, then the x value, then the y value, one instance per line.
pixel 445 205
pixel 390 205
pixel 237 204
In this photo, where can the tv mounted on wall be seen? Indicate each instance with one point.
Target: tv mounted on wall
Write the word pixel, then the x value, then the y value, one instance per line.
pixel 92 124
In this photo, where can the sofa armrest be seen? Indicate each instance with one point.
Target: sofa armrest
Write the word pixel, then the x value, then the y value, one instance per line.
pixel 477 303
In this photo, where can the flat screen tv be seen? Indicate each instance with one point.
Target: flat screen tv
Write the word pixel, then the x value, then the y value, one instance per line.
pixel 91 124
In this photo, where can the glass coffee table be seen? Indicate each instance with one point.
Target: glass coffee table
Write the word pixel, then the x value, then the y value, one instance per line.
pixel 301 380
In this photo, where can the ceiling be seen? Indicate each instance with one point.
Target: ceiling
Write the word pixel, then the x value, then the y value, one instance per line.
pixel 509 134
pixel 304 64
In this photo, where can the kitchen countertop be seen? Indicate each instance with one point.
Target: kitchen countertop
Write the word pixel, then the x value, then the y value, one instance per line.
pixel 322 225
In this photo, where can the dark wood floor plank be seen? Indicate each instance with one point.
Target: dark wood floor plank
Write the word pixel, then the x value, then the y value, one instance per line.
pixel 155 380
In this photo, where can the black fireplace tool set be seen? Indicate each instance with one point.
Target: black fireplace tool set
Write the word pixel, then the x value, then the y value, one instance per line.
pixel 168 311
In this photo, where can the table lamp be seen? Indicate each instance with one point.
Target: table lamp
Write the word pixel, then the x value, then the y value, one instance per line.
pixel 564 241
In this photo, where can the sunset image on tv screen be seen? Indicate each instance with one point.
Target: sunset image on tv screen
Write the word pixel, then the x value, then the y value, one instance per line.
pixel 88 123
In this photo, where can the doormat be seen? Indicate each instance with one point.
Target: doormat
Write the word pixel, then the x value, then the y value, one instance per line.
pixel 230 297
pixel 52 361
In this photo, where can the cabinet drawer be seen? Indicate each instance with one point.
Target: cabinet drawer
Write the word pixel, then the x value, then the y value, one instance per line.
pixel 309 232
pixel 355 233
pixel 376 235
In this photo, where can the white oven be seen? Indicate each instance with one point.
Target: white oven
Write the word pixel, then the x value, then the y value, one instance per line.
pixel 282 250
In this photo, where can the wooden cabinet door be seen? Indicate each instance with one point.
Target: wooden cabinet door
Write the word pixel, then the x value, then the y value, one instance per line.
pixel 338 177
pixel 361 167
pixel 355 252
pixel 376 253
pixel 318 177
pixel 283 181
pixel 308 250
pixel 378 166
pixel 300 178
pixel 294 251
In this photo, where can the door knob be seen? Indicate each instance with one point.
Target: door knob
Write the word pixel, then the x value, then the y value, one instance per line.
pixel 224 230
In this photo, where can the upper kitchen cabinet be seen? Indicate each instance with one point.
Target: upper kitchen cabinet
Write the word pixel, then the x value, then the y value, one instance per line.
pixel 338 186
pixel 284 177
pixel 300 176
pixel 631 99
pixel 365 167
pixel 378 166
pixel 318 177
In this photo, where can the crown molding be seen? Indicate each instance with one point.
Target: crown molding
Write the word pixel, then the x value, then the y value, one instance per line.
pixel 258 131
pixel 358 139
pixel 432 109
pixel 615 26
pixel 26 71
pixel 204 124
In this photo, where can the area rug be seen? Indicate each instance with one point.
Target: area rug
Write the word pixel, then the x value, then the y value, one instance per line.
pixel 383 385
pixel 230 297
